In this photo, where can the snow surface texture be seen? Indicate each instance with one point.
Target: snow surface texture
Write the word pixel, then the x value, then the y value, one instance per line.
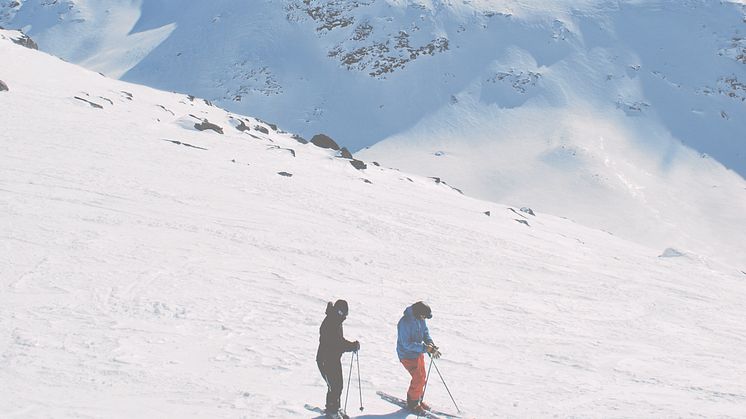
pixel 149 269
pixel 626 116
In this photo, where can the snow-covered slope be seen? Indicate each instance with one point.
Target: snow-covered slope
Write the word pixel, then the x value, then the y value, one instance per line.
pixel 627 116
pixel 149 269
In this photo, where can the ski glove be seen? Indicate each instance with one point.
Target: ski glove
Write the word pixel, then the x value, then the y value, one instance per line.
pixel 432 350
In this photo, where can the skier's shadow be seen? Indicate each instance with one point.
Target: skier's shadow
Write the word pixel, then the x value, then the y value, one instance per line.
pixel 399 414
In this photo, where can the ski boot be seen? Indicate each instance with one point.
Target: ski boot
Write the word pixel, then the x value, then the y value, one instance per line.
pixel 337 414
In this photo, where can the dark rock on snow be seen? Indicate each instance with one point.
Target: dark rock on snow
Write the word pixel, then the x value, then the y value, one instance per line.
pixel 286 174
pixel 242 126
pixel 300 139
pixel 345 153
pixel 528 210
pixel 357 164
pixel 323 141
pixel 184 144
pixel 3 86
pixel 92 104
pixel 25 41
pixel 205 125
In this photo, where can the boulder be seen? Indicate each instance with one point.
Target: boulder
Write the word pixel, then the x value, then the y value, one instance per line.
pixel 357 164
pixel 324 141
pixel 3 86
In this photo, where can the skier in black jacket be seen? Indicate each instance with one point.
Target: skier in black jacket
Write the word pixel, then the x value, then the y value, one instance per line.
pixel 332 345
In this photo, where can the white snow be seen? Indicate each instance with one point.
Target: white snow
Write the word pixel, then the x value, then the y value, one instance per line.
pixel 145 278
pixel 625 116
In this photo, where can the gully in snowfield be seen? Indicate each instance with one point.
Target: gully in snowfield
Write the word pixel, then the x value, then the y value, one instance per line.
pixel 332 345
pixel 412 343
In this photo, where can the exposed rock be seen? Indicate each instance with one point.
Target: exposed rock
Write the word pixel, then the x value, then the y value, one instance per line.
pixel 367 181
pixel 357 164
pixel 184 144
pixel 261 129
pixel 375 163
pixel 205 125
pixel 528 210
pixel 487 213
pixel 345 153
pixel 25 41
pixel 286 174
pixel 94 105
pixel 272 126
pixel 3 86
pixel 516 213
pixel 242 126
pixel 519 80
pixel 167 110
pixel 323 141
pixel 523 222
pixel 300 139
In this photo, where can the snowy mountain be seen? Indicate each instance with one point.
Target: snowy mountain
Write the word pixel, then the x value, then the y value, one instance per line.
pixel 626 116
pixel 162 257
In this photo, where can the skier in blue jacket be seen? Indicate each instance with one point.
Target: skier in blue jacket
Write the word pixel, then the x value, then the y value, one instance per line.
pixel 412 343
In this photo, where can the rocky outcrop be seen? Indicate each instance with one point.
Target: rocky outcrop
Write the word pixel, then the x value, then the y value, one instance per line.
pixel 390 49
pixel 20 38
pixel 3 86
pixel 324 141
pixel 205 125
pixel 358 164
pixel 345 153
pixel 26 41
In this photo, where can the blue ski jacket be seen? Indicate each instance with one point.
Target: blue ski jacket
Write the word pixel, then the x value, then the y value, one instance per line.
pixel 412 336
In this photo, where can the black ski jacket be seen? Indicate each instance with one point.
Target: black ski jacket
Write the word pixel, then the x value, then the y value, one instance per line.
pixel 332 343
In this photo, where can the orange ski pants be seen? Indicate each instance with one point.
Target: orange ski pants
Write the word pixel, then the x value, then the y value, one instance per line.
pixel 416 368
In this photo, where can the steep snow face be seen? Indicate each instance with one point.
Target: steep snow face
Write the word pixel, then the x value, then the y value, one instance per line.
pixel 92 33
pixel 624 115
pixel 365 70
pixel 154 267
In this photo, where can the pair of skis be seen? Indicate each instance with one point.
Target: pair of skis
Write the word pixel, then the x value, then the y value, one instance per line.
pixel 429 414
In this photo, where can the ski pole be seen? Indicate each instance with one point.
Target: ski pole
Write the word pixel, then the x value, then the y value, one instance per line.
pixel 359 385
pixel 446 385
pixel 352 358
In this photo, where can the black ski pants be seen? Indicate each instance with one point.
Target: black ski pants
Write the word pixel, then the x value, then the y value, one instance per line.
pixel 331 370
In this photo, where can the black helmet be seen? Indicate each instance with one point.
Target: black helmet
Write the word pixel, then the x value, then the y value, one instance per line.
pixel 421 309
pixel 339 308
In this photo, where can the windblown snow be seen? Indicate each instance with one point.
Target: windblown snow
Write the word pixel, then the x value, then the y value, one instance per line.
pixel 153 269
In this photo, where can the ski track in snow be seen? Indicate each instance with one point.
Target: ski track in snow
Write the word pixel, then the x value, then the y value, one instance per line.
pixel 141 278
